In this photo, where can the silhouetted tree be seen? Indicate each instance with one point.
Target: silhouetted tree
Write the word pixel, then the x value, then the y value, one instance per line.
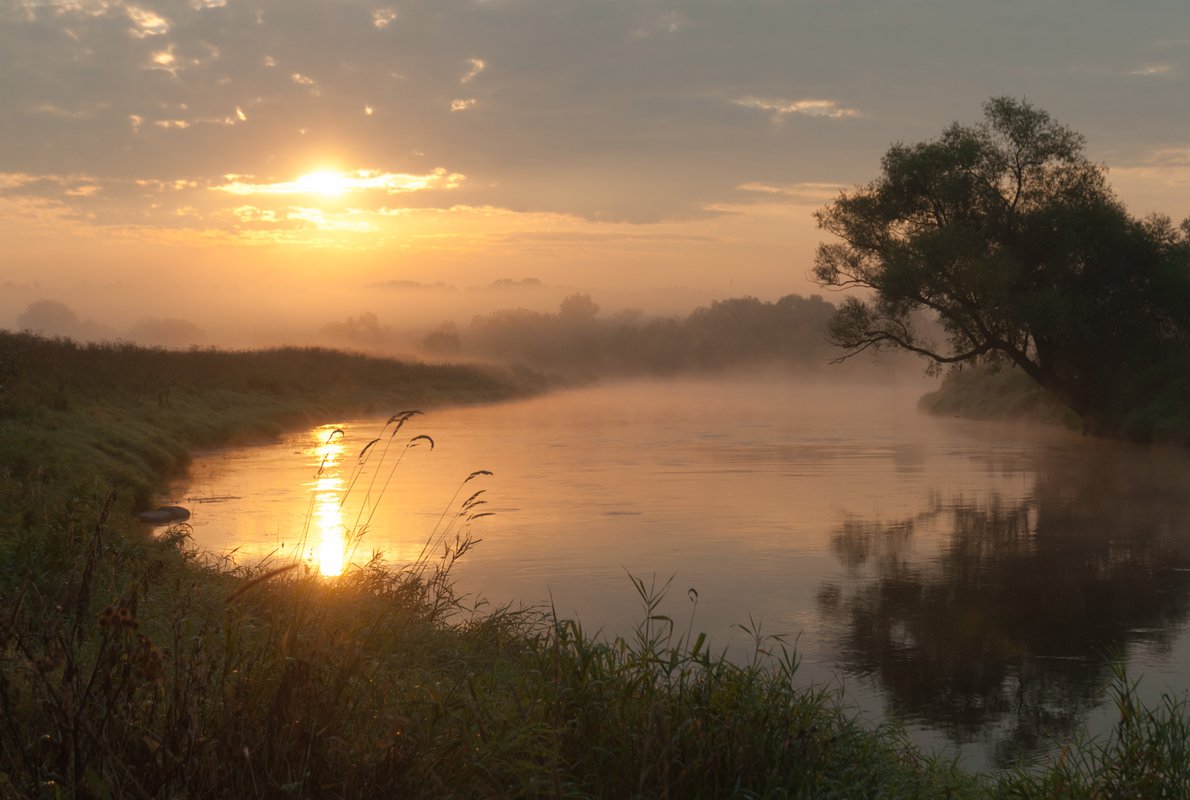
pixel 443 341
pixel 1011 238
pixel 578 306
pixel 53 318
pixel 168 332
pixel 365 331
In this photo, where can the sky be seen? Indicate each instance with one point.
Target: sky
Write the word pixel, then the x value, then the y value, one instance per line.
pixel 298 159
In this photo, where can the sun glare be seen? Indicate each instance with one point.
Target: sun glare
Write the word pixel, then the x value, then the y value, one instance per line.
pixel 327 182
pixel 328 517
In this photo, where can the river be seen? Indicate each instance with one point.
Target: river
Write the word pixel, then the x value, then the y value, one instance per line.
pixel 975 581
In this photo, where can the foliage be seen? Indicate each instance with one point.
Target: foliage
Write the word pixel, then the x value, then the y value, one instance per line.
pixel 135 666
pixel 70 412
pixel 365 332
pixel 1146 756
pixel 1011 238
pixel 992 392
pixel 728 334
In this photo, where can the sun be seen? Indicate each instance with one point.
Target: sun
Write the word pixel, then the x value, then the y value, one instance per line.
pixel 326 182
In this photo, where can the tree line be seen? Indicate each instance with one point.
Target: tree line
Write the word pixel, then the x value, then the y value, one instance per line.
pixel 577 341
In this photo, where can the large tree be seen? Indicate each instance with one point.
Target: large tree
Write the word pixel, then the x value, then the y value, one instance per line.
pixel 1011 239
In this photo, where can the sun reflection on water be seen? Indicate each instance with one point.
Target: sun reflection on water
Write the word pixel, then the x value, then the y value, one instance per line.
pixel 345 494
pixel 330 551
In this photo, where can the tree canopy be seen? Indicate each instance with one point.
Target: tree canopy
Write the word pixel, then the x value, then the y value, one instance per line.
pixel 1007 235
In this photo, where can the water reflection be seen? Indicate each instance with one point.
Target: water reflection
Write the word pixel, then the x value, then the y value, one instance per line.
pixel 972 576
pixel 1008 632
pixel 342 508
pixel 327 500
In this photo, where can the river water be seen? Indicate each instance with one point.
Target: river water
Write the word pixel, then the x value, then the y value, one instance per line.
pixel 975 581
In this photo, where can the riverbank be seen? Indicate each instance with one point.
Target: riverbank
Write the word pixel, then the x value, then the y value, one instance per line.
pixel 981 392
pixel 137 666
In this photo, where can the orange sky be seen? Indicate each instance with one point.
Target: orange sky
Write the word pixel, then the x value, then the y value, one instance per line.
pixel 282 157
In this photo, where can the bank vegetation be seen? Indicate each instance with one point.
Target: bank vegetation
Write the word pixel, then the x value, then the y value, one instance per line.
pixel 133 664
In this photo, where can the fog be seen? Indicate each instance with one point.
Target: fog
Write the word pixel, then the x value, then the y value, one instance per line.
pixel 555 331
pixel 226 316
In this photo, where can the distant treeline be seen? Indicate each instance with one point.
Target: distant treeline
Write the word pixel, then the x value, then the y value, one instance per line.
pixel 577 340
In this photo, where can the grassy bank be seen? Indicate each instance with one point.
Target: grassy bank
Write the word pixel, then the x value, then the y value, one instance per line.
pixel 135 666
pixel 130 414
pixel 981 392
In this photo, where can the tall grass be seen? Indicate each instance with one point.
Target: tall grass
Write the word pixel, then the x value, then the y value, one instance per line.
pixel 141 667
pixel 1146 755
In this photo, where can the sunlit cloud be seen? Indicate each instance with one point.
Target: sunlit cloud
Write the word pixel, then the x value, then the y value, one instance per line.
pixel 333 183
pixel 252 214
pixel 780 109
pixel 369 111
pixel 240 115
pixel 1153 69
pixel 807 192
pixel 172 123
pixel 145 22
pixel 92 8
pixel 15 180
pixel 164 60
pixel 54 110
pixel 304 80
pixel 49 186
pixel 331 222
pixel 477 66
pixel 383 17
pixel 462 104
pixel 177 185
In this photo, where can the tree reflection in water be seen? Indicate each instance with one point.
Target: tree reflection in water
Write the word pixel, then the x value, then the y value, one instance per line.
pixel 1009 631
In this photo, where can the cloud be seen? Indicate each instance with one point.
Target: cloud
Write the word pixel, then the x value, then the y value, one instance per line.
pixel 616 110
pixel 164 60
pixel 65 113
pixel 383 17
pixel 810 108
pixel 146 22
pixel 476 66
pixel 16 180
pixel 49 185
pixel 804 193
pixel 333 183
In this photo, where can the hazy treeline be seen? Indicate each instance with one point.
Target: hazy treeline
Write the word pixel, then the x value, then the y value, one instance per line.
pixel 578 340
pixel 55 318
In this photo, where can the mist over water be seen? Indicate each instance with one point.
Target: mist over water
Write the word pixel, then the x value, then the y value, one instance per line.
pixel 973 580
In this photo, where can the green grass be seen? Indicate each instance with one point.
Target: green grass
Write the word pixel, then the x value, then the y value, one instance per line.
pixel 136 666
pixel 980 392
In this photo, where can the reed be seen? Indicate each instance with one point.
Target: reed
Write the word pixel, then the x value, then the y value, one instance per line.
pixel 142 667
